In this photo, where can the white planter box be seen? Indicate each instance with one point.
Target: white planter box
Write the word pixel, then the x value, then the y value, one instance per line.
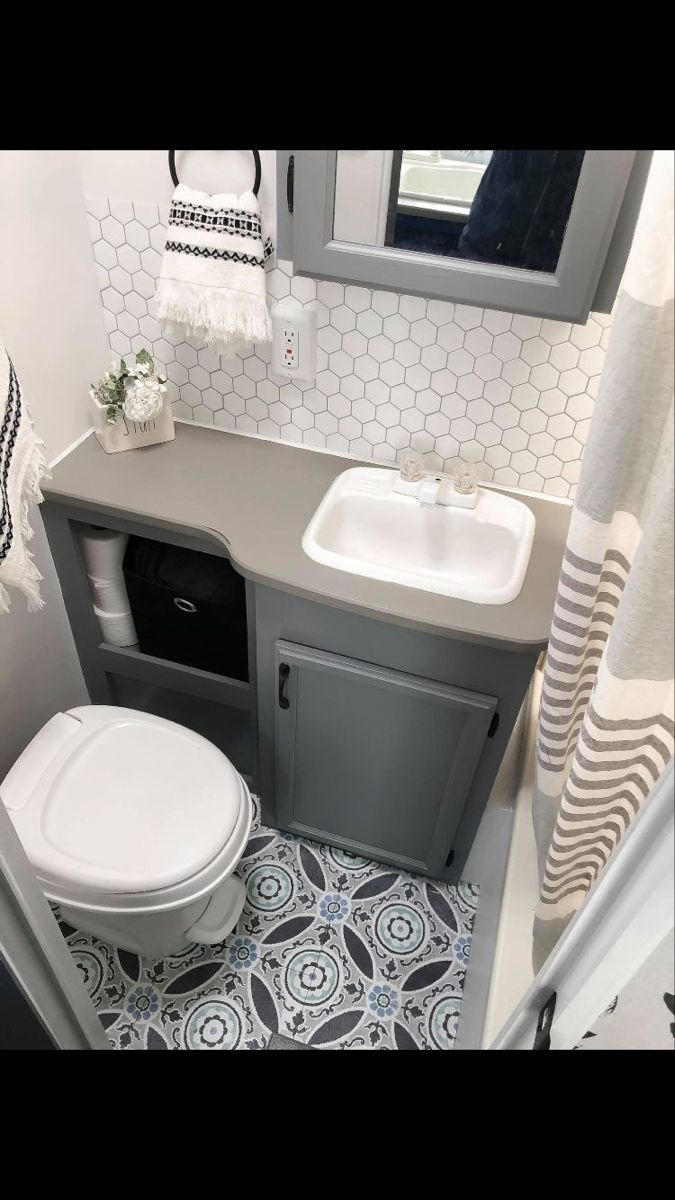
pixel 129 435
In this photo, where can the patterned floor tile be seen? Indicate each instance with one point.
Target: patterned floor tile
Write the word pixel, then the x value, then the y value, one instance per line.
pixel 331 951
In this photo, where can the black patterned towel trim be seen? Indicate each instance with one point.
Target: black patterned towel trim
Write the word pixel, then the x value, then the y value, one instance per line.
pixel 248 260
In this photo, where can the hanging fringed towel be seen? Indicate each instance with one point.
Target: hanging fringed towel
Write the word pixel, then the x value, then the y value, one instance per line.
pixel 212 281
pixel 22 466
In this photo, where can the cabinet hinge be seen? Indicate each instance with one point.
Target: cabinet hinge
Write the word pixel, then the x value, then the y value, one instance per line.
pixel 290 181
pixel 494 725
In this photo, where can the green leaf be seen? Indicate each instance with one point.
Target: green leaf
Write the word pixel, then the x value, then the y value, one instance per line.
pixel 142 356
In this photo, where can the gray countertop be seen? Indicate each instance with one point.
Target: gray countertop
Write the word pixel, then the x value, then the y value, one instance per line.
pixel 257 497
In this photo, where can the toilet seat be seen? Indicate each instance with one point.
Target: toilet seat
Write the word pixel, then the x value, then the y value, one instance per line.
pixel 119 810
pixel 197 887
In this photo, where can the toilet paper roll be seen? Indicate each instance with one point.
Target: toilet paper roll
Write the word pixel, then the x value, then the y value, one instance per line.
pixel 110 595
pixel 103 551
pixel 116 628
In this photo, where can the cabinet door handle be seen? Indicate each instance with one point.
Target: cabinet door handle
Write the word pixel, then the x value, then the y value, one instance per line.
pixel 284 672
pixel 542 1038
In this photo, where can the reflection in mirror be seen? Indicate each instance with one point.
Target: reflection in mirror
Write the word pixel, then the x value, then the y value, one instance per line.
pixel 508 207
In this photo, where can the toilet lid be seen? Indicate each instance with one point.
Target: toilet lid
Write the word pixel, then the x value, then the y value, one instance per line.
pixel 130 802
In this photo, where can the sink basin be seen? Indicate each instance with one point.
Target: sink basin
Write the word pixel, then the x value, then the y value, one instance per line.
pixel 363 526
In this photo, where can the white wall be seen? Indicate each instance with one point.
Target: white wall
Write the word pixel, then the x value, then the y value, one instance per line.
pixel 143 175
pixel 52 325
pixel 50 310
pixel 39 669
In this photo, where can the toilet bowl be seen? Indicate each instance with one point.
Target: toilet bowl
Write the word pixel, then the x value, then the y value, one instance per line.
pixel 134 825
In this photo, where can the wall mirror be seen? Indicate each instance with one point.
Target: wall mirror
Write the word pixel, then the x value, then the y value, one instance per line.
pixel 535 231
pixel 500 206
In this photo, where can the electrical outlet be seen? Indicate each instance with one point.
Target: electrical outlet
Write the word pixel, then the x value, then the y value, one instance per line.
pixel 294 342
pixel 290 336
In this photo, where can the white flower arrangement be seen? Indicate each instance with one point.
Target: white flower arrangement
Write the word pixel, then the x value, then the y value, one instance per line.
pixel 136 391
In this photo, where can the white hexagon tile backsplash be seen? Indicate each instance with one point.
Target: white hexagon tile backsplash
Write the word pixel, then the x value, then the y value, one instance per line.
pixel 511 394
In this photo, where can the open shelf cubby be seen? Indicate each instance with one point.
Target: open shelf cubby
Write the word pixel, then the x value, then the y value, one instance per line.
pixel 219 707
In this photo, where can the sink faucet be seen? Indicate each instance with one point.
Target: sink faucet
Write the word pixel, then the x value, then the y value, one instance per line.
pixel 458 491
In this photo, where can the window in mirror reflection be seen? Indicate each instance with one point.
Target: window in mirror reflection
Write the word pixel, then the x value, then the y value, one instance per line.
pixel 508 207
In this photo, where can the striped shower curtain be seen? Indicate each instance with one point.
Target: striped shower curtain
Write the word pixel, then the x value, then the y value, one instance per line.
pixel 606 718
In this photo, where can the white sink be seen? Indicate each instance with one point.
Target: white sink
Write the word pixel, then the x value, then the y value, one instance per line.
pixel 363 526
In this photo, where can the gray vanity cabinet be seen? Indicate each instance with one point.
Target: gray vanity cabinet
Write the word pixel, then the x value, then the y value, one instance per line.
pixel 374 760
pixel 381 738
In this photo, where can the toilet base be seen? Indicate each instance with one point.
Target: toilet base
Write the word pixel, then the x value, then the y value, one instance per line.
pixel 156 935
pixel 221 913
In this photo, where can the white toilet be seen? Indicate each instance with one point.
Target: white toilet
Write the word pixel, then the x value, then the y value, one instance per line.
pixel 134 826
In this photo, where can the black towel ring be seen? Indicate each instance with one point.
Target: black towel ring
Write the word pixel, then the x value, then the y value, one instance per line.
pixel 256 159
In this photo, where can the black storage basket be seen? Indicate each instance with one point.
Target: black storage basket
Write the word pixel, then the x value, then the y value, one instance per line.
pixel 188 607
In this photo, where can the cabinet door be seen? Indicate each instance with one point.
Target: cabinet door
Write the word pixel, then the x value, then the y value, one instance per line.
pixel 590 227
pixel 373 760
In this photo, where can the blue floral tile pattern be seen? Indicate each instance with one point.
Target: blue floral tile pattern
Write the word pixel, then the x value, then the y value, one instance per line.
pixel 142 1003
pixel 333 908
pixel 242 954
pixel 332 951
pixel 462 948
pixel 383 1000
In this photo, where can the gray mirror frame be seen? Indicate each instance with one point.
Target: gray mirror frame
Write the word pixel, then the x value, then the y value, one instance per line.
pixel 610 185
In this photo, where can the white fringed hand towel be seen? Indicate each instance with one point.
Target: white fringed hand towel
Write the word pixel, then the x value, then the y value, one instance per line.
pixel 22 466
pixel 212 281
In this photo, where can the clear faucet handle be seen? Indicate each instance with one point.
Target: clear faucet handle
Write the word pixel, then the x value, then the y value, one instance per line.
pixel 411 466
pixel 465 479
